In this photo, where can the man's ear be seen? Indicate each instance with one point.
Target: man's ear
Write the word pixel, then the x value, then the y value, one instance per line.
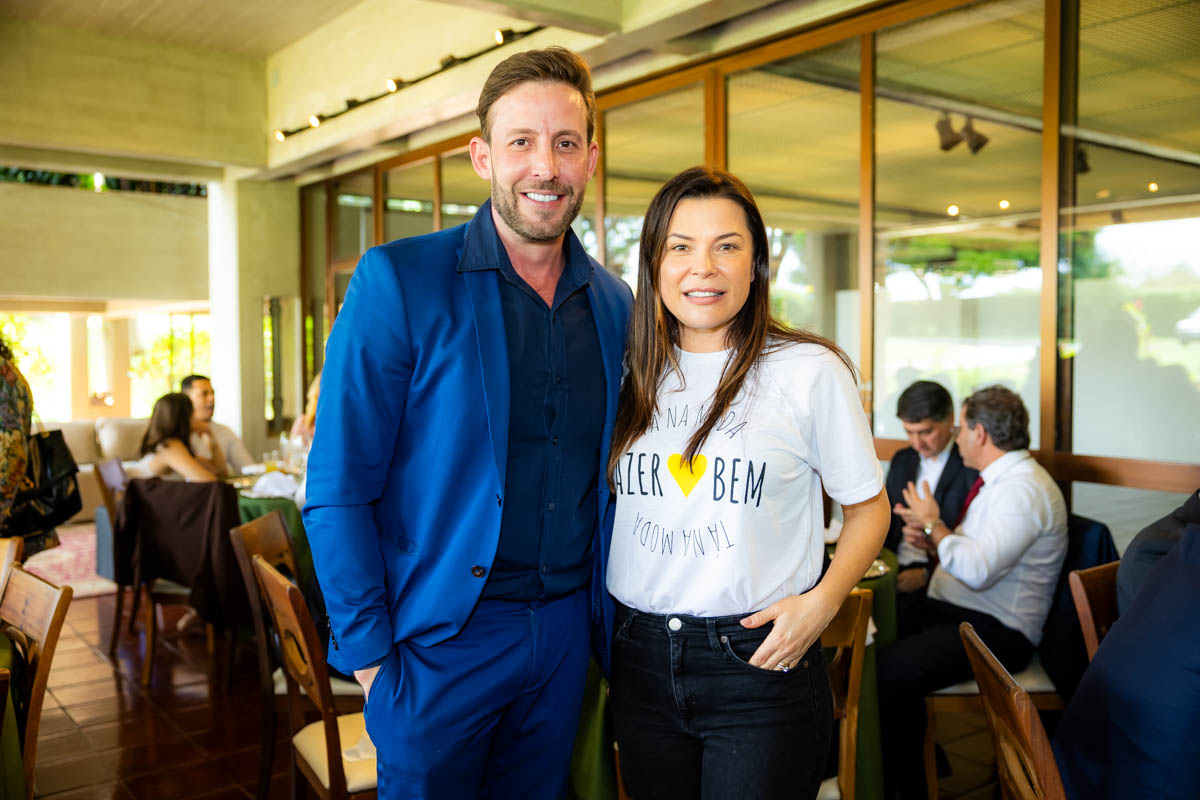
pixel 481 157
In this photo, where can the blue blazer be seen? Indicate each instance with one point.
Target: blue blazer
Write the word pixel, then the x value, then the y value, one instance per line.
pixel 407 467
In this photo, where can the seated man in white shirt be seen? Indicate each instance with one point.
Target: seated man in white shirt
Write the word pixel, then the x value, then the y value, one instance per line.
pixel 199 390
pixel 998 569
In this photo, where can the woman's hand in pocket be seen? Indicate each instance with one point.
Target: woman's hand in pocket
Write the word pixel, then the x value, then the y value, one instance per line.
pixel 799 620
pixel 365 678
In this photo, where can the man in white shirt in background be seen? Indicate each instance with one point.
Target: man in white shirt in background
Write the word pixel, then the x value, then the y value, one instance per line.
pixel 199 390
pixel 926 411
pixel 998 569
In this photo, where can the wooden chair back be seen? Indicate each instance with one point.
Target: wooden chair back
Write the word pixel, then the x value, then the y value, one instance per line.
pixel 11 549
pixel 1023 755
pixel 847 632
pixel 31 615
pixel 112 480
pixel 267 537
pixel 303 663
pixel 1094 591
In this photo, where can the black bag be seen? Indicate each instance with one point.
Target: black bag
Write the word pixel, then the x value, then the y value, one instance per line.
pixel 54 496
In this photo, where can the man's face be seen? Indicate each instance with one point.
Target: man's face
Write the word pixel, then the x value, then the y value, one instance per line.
pixel 929 436
pixel 203 400
pixel 969 440
pixel 538 160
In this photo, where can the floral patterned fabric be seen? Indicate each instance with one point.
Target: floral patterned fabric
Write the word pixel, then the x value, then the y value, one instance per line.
pixel 16 414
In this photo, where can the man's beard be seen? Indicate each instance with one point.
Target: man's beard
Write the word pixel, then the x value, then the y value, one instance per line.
pixel 506 206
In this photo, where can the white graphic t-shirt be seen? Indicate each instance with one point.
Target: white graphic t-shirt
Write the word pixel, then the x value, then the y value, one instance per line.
pixel 742 528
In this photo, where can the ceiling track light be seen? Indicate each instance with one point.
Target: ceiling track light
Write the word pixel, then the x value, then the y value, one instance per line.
pixel 975 140
pixel 1082 167
pixel 948 138
pixel 501 37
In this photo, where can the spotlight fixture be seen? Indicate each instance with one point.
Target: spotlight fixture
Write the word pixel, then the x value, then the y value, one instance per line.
pixel 947 136
pixel 396 84
pixel 279 136
pixel 1004 204
pixel 451 61
pixel 503 35
pixel 1118 216
pixel 952 210
pixel 1152 186
pixel 353 102
pixel 1082 167
pixel 975 139
pixel 314 120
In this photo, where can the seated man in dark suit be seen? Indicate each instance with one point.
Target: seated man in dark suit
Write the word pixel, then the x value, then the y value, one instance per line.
pixel 1149 547
pixel 1132 728
pixel 927 413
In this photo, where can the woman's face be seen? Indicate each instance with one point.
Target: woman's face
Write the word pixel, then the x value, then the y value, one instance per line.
pixel 706 270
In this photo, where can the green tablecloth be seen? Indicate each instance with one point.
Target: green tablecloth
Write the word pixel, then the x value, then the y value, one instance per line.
pixel 250 508
pixel 868 781
pixel 12 781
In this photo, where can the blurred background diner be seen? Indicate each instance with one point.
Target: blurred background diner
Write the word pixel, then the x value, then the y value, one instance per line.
pixel 963 193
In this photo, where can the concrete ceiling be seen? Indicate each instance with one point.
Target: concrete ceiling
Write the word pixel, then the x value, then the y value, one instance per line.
pixel 255 29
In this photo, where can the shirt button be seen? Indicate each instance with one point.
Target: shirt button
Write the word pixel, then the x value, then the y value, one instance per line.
pixel 674 623
pixel 551 506
pixel 557 379
pixel 545 569
pixel 556 440
pixel 478 571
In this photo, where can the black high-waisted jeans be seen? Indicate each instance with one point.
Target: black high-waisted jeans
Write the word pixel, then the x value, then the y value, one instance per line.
pixel 693 719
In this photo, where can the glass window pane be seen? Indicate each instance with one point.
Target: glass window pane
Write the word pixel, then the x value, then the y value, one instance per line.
pixel 353 230
pixel 646 143
pixel 463 192
pixel 1129 308
pixel 794 140
pixel 408 200
pixel 1123 509
pixel 585 224
pixel 958 176
pixel 41 346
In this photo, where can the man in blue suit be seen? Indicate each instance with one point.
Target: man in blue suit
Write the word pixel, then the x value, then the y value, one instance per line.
pixel 457 510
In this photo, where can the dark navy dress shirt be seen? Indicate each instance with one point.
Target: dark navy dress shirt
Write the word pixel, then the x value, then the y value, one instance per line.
pixel 556 419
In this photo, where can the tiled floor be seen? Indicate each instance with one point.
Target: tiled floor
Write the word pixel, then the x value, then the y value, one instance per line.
pixel 103 736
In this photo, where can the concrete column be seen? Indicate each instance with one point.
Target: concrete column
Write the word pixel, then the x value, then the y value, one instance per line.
pixel 224 299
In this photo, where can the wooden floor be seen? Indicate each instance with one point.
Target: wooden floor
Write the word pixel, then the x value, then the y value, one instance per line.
pixel 104 736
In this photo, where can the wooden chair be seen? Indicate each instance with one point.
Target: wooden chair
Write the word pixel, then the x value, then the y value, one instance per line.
pixel 10 554
pixel 268 537
pixel 848 633
pixel 31 615
pixel 965 696
pixel 1023 755
pixel 112 479
pixel 316 747
pixel 1094 591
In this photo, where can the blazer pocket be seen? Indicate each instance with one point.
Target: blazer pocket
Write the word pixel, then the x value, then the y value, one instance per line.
pixel 398 540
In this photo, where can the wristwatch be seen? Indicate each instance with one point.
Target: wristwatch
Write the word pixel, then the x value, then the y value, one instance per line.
pixel 929 526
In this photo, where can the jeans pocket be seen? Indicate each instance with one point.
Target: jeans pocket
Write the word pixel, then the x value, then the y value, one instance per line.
pixel 740 647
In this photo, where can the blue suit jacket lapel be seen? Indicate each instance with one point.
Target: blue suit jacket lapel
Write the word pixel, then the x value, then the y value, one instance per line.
pixel 606 315
pixel 493 358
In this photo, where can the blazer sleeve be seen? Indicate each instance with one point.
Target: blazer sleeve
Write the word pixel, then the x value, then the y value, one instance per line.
pixel 364 388
pixel 899 473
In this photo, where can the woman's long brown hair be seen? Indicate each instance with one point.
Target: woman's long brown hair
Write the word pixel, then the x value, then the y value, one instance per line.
pixel 654 331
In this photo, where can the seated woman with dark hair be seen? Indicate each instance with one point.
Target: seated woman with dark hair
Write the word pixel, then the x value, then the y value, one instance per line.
pixel 166 452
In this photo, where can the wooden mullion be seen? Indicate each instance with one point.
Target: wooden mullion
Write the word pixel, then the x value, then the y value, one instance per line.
pixel 1051 111
pixel 598 181
pixel 716 128
pixel 866 223
pixel 437 192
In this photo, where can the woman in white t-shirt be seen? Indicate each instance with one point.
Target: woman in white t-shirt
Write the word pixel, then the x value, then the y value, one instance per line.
pixel 728 425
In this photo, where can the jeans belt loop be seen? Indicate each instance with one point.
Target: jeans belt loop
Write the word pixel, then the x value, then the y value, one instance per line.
pixel 714 640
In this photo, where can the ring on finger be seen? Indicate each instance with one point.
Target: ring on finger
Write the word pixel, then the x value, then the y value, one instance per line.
pixel 782 667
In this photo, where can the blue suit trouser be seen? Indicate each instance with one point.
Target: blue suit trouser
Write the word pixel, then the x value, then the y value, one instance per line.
pixel 490 712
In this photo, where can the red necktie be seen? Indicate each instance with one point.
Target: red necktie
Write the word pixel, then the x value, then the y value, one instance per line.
pixel 975 487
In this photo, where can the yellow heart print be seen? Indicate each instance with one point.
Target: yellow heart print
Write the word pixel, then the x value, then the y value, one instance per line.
pixel 687 476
